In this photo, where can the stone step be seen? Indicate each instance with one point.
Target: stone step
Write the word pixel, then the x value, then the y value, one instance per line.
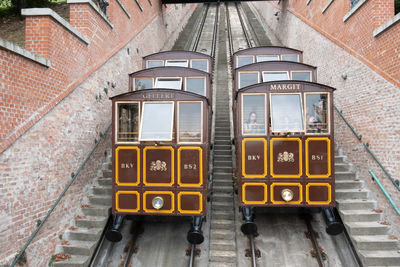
pixel 222 188
pixel 222 224
pixel 105 200
pixel 221 264
pixel 74 261
pixel 346 184
pixel 222 147
pixel 223 256
pixel 226 205
pixel 106 166
pixel 223 183
pixel 220 132
pixel 344 176
pixel 222 215
pixel 217 197
pixel 339 159
pixel 375 242
pixel 223 169
pixel 84 234
pixel 222 176
pixel 222 142
pixel 224 234
pixel 356 204
pixel 91 221
pixel 107 173
pixel 74 247
pixel 222 163
pixel 359 216
pixel 223 152
pixel 342 167
pixel 102 190
pixel 95 210
pixel 366 228
pixel 222 135
pixel 223 157
pixel 221 123
pixel 351 194
pixel 380 258
pixel 223 245
pixel 104 181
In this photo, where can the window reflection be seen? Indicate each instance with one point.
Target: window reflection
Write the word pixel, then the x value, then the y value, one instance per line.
pixel 177 63
pixel 171 83
pixel 154 63
pixel 244 60
pixel 317 113
pixel 301 75
pixel 253 114
pixel 196 85
pixel 246 79
pixel 286 113
pixel 189 122
pixel 293 58
pixel 157 122
pixel 143 83
pixel 267 58
pixel 275 76
pixel 128 122
pixel 200 64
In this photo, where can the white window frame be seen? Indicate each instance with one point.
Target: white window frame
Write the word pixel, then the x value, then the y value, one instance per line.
pixel 176 60
pixel 179 120
pixel 275 71
pixel 147 62
pixel 116 120
pixel 272 117
pixel 237 59
pixel 279 58
pixel 172 120
pixel 265 114
pixel 175 78
pixel 297 55
pixel 134 82
pixel 328 115
pixel 196 77
pixel 200 59
pixel 294 71
pixel 246 72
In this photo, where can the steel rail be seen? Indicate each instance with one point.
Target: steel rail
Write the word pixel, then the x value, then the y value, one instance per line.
pixel 246 35
pixel 249 25
pixel 100 243
pixel 136 230
pixel 73 178
pixel 197 40
pixel 192 254
pixel 252 250
pixel 313 238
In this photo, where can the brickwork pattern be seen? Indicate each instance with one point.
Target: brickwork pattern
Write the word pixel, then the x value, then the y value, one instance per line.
pixel 368 100
pixel 35 168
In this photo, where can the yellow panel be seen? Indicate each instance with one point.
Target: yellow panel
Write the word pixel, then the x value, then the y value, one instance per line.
pixel 319 202
pixel 288 184
pixel 300 158
pixel 161 193
pixel 117 165
pixel 172 165
pixel 244 158
pixel 200 163
pixel 126 193
pixel 329 156
pixel 190 211
pixel 254 202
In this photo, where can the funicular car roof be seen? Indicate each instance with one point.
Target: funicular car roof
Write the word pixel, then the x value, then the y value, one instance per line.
pixel 169 71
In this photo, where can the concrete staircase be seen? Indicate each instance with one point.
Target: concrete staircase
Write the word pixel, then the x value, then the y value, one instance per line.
pixel 80 240
pixel 363 220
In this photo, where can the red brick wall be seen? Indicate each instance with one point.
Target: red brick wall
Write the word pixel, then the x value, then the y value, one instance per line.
pixel 56 116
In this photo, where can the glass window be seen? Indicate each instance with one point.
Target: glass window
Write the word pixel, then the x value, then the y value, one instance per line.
pixel 301 75
pixel 317 113
pixel 200 64
pixel 294 58
pixel 247 78
pixel 196 85
pixel 155 63
pixel 143 83
pixel 157 122
pixel 253 116
pixel 127 122
pixel 267 58
pixel 177 63
pixel 286 113
pixel 170 83
pixel 244 60
pixel 275 76
pixel 189 122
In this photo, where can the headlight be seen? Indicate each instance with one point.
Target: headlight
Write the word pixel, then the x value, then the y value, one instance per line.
pixel 157 202
pixel 287 194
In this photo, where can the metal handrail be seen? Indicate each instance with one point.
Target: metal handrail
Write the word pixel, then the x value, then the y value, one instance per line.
pixel 384 191
pixel 395 182
pixel 73 178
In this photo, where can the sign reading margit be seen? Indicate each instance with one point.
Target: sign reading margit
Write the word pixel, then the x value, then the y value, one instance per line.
pixel 285 86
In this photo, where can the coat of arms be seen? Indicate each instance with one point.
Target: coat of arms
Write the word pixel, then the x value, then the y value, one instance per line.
pixel 158 166
pixel 285 157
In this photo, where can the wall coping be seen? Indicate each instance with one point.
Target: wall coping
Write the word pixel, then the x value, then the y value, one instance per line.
pixel 24 53
pixel 354 9
pixel 123 8
pixel 96 8
pixel 387 25
pixel 56 17
pixel 327 6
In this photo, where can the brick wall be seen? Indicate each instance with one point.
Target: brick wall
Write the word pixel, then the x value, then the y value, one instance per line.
pixel 53 115
pixel 369 99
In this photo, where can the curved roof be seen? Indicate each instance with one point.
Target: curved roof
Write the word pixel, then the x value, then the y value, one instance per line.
pixel 167 70
pixel 177 52
pixel 271 48
pixel 260 66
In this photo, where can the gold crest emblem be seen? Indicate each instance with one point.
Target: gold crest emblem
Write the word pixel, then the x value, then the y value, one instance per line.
pixel 158 166
pixel 285 157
